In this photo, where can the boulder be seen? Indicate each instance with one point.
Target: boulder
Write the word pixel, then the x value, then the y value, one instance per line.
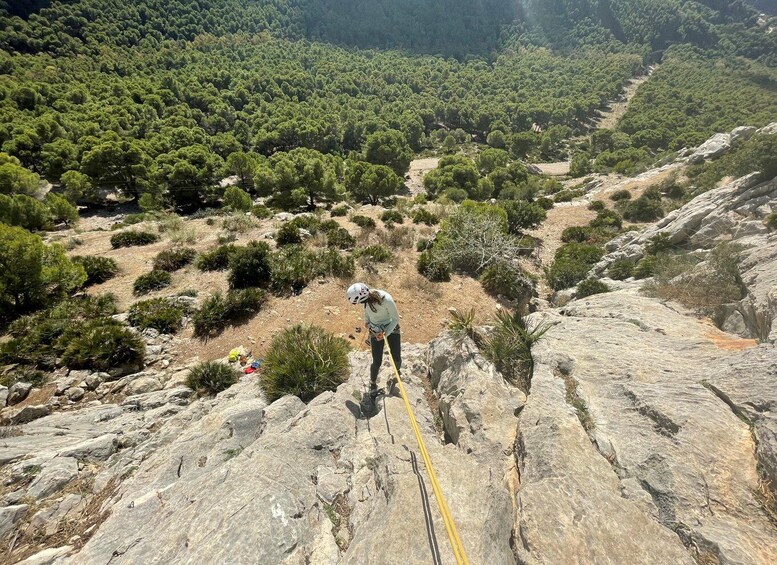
pixel 48 556
pixel 3 395
pixel 97 449
pixel 742 133
pixel 55 474
pixel 768 129
pixel 27 414
pixel 75 393
pixel 143 385
pixel 18 392
pixel 714 147
pixel 9 517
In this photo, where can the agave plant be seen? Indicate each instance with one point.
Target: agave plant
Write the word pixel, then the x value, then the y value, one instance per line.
pixel 509 347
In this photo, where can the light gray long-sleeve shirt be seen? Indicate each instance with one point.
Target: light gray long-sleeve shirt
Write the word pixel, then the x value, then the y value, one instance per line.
pixel 385 318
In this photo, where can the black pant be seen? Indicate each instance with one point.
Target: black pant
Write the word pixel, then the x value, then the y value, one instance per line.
pixel 377 352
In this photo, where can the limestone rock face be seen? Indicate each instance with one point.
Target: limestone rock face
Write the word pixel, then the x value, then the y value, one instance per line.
pixel 714 147
pixel 639 378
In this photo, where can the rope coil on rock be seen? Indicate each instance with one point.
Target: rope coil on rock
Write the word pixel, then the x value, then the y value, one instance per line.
pixel 450 526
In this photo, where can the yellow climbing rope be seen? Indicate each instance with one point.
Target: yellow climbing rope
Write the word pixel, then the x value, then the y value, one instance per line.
pixel 450 527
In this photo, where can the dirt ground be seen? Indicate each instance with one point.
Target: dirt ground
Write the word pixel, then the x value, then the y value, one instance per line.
pixel 415 176
pixel 423 306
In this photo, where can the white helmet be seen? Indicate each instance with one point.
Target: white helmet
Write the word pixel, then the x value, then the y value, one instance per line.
pixel 357 293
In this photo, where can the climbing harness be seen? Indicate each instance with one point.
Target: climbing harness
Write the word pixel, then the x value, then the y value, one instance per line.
pixel 450 527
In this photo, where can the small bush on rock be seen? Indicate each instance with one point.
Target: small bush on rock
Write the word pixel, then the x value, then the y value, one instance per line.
pixel 621 269
pixel 211 377
pixel 607 219
pixel 261 212
pixel 102 344
pixel 98 269
pixel 157 313
pixel 643 209
pixel 576 234
pixel 590 287
pixel 304 361
pixel 132 238
pixel 155 280
pixel 173 259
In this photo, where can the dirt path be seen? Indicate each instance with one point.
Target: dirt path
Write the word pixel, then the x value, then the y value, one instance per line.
pixel 608 119
pixel 415 176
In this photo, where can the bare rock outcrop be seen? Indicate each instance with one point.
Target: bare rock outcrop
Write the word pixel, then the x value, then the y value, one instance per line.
pixel 734 213
pixel 638 376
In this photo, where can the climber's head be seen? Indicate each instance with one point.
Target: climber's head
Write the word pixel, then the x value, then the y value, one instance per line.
pixel 357 293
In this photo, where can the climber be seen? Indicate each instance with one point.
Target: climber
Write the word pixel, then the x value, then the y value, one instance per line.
pixel 382 321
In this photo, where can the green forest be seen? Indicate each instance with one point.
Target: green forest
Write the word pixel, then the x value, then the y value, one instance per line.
pixel 319 101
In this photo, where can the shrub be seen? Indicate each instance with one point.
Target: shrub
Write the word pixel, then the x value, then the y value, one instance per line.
pixel 567 195
pixel 433 269
pixel 304 361
pixel 645 267
pixel 596 205
pixel 620 195
pixel 509 348
pixel 704 288
pixel 249 266
pixel 307 222
pixel 155 280
pixel 177 230
pixel 576 234
pixel 771 222
pixel 423 244
pixel 522 215
pixel 237 199
pixel 590 287
pixel 131 238
pixel 544 203
pixel 659 243
pixel 60 209
pixel 211 377
pixel 174 259
pixel 261 212
pixel 607 219
pixel 24 211
pixel 392 217
pixel 571 264
pixel 328 225
pixel 288 234
pixel 216 260
pixel 219 311
pixel 98 269
pixel 643 209
pixel 363 221
pixel 23 375
pixel 102 344
pixel 340 238
pixel 462 323
pixel 157 313
pixel 621 269
pixel 237 224
pixel 424 216
pixel 339 211
pixel 38 339
pixel 332 262
pixel 292 269
pixel 375 253
pixel 508 280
